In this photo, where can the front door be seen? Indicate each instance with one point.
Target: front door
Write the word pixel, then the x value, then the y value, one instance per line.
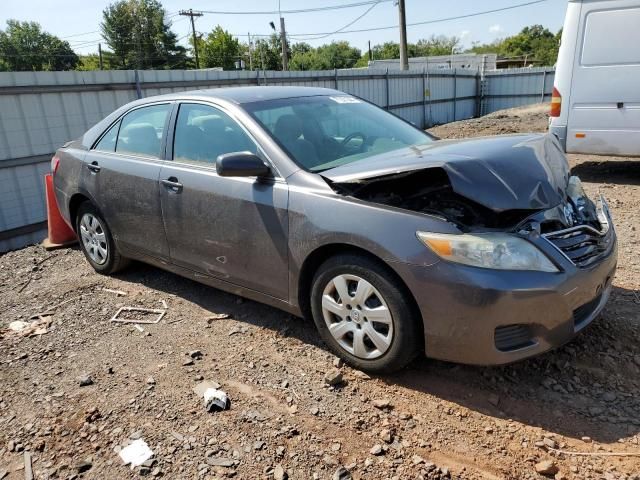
pixel 122 173
pixel 231 228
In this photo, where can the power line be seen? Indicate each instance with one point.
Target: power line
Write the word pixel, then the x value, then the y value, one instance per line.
pixel 428 22
pixel 345 26
pixel 301 10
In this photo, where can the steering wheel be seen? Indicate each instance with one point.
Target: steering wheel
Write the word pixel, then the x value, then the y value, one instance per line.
pixel 345 141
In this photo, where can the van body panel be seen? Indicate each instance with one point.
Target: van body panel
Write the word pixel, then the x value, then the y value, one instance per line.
pixel 598 74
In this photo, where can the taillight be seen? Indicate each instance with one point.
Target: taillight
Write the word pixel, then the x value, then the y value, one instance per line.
pixel 556 103
pixel 55 163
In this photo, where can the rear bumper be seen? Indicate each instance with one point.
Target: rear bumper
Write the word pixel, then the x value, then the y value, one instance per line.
pixel 488 317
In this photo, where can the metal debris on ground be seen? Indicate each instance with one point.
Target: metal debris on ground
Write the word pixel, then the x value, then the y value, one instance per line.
pixel 136 453
pixel 28 466
pixel 217 316
pixel 119 293
pixel 215 399
pixel 116 317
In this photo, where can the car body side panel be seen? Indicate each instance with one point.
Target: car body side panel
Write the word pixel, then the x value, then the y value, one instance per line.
pixel 67 179
pixel 231 228
pixel 127 193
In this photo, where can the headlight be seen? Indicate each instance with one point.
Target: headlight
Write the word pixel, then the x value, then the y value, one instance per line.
pixel 491 250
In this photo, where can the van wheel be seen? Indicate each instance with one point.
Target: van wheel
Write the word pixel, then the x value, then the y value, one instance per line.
pixel 363 315
pixel 97 242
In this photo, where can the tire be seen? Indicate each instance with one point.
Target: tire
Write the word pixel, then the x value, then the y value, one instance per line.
pixel 364 336
pixel 97 242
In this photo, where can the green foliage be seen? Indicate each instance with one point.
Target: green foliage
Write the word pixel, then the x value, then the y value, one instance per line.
pixel 92 62
pixel 140 36
pixel 325 57
pixel 267 53
pixel 537 43
pixel 25 47
pixel 425 47
pixel 219 49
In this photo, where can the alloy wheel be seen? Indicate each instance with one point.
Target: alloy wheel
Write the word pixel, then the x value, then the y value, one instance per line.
pixel 94 238
pixel 357 316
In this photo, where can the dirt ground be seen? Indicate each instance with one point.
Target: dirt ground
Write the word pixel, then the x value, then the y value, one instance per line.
pixel 72 397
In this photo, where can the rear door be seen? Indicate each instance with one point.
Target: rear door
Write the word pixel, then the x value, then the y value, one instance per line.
pixel 235 229
pixel 604 114
pixel 121 174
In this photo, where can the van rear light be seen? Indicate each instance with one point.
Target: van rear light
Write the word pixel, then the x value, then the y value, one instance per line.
pixel 556 103
pixel 55 163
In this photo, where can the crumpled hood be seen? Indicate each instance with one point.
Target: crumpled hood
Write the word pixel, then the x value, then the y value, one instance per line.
pixel 504 172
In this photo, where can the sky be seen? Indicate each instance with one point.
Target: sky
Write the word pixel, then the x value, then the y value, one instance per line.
pixel 78 21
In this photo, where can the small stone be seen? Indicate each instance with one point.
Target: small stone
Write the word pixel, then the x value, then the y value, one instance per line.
pixel 376 450
pixel 259 445
pixel 151 381
pixel 338 362
pixel 549 443
pixel 156 472
pixel 220 462
pixel 84 465
pixel 85 380
pixel 187 362
pixel 280 451
pixel 488 429
pixel 341 474
pixel 382 404
pixel 586 439
pixel 546 467
pixel 314 410
pixel 336 447
pixel 386 436
pixel 609 396
pixel 279 473
pixel 417 460
pixel 333 378
pixel 196 354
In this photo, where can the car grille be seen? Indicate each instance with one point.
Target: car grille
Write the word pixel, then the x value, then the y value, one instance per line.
pixel 513 337
pixel 582 245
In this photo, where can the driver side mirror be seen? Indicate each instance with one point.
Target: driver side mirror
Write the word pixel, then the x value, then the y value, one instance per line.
pixel 241 164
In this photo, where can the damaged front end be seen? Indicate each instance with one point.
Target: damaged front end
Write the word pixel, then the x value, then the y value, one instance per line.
pixel 492 183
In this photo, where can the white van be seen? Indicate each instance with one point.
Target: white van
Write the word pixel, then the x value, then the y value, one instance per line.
pixel 595 106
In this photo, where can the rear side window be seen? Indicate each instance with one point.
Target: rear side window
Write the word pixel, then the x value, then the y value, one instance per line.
pixel 203 133
pixel 142 130
pixel 108 142
pixel 612 37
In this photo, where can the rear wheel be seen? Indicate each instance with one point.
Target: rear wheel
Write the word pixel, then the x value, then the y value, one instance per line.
pixel 363 315
pixel 96 241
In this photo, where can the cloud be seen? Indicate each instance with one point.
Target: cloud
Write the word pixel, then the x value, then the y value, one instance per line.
pixel 496 28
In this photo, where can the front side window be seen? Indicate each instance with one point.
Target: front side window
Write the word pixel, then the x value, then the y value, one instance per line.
pixel 203 133
pixel 323 132
pixel 141 131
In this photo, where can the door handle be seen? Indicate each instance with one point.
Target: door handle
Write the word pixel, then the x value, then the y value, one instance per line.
pixel 172 184
pixel 94 167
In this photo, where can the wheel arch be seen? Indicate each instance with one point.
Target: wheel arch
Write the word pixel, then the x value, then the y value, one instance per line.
pixel 318 256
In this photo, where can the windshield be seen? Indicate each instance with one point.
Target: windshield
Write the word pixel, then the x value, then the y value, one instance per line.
pixel 323 132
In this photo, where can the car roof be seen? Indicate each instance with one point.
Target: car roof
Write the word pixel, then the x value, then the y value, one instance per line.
pixel 242 95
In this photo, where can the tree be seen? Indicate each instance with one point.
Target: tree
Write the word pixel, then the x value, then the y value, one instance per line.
pixel 267 53
pixel 25 47
pixel 220 49
pixel 536 43
pixel 140 36
pixel 325 57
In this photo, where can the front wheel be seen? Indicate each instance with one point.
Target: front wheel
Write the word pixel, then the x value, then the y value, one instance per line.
pixel 363 315
pixel 96 241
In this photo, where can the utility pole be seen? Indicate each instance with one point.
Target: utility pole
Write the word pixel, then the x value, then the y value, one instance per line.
pixel 191 14
pixel 404 60
pixel 100 55
pixel 283 39
pixel 370 54
pixel 250 57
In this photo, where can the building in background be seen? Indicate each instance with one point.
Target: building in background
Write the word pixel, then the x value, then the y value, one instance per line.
pixel 467 61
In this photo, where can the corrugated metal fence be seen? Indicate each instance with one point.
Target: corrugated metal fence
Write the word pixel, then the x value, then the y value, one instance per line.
pixel 39 111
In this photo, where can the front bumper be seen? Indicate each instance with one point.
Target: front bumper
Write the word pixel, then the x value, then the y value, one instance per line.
pixel 489 317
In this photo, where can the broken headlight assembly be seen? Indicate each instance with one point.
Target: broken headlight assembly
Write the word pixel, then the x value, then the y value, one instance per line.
pixel 498 251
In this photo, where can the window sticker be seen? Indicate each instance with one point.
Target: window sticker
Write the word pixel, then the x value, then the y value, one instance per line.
pixel 345 99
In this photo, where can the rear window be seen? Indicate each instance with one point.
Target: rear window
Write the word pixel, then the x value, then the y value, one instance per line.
pixel 611 37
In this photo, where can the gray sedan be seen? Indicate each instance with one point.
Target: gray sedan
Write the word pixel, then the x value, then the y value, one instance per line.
pixel 481 251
